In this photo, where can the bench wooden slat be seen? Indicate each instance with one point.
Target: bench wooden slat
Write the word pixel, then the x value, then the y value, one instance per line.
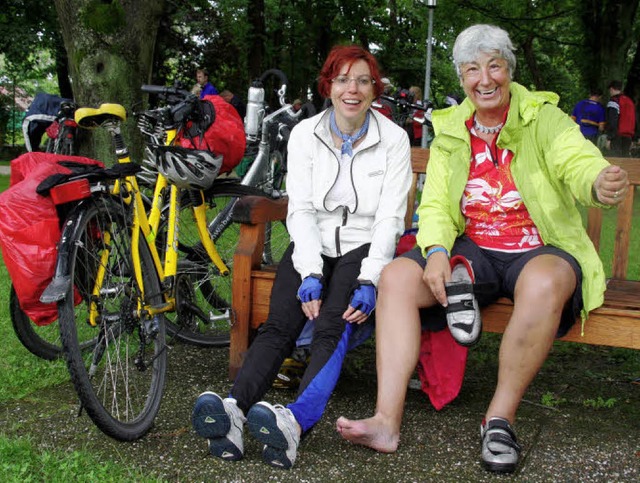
pixel 615 328
pixel 616 323
pixel 419 159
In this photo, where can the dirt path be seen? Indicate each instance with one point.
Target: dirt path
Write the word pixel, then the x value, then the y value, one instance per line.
pixel 569 442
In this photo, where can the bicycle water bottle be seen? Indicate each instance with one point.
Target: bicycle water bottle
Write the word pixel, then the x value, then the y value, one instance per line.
pixel 255 111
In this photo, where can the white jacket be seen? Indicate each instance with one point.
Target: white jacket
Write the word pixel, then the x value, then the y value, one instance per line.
pixel 381 177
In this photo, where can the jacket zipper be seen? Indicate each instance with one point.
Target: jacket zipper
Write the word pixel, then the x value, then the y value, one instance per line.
pixel 345 215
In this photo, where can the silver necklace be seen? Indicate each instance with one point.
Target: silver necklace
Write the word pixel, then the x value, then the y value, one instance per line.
pixel 484 129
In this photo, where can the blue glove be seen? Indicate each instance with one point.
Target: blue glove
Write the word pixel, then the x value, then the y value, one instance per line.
pixel 310 288
pixel 364 297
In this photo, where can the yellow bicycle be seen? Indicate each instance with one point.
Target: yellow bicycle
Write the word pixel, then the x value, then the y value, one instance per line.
pixel 125 274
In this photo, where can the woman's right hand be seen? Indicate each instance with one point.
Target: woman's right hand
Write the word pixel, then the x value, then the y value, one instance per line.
pixel 436 273
pixel 310 295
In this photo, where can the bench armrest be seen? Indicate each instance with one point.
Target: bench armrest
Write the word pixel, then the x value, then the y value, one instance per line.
pixel 258 209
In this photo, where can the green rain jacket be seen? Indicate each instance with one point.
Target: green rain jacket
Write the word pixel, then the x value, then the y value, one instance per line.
pixel 553 166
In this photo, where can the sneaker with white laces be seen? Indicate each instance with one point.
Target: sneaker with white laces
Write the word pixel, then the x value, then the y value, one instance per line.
pixel 221 421
pixel 463 312
pixel 276 427
pixel 500 449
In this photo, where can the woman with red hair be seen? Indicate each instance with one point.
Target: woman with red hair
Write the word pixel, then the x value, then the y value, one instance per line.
pixel 349 173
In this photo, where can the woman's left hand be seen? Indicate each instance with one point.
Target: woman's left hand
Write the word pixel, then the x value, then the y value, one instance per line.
pixel 354 316
pixel 611 185
pixel 363 301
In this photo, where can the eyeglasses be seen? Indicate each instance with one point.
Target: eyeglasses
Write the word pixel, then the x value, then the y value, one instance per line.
pixel 361 81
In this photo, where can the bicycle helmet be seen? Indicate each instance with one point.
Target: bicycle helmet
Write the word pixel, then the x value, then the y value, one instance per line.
pixel 187 168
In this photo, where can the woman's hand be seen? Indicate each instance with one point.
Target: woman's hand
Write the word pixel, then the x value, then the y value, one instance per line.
pixel 310 295
pixel 436 273
pixel 611 185
pixel 363 301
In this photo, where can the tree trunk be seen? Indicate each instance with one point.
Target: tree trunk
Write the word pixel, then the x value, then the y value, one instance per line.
pixel 62 70
pixel 110 49
pixel 609 33
pixel 257 37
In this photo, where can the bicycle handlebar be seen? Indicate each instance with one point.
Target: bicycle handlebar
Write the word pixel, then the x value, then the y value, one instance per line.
pixel 165 91
pixel 182 104
pixel 426 107
pixel 283 83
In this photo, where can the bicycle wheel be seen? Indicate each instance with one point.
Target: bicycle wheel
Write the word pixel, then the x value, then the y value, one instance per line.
pixel 42 341
pixel 203 296
pixel 120 382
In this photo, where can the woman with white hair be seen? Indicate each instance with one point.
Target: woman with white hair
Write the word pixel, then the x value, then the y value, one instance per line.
pixel 497 210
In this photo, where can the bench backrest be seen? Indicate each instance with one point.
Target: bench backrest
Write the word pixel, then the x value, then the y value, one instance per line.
pixel 420 158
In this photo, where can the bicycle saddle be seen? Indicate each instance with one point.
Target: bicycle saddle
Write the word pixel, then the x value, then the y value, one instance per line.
pixel 89 117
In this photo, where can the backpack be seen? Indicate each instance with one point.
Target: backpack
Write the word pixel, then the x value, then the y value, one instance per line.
pixel 219 130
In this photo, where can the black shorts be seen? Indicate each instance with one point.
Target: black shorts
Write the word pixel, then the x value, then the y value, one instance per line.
pixel 501 269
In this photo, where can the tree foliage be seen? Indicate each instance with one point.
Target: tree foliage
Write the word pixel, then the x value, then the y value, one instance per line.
pixel 562 45
pixel 31 43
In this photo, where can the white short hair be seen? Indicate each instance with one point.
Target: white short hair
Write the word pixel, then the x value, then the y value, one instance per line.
pixel 483 38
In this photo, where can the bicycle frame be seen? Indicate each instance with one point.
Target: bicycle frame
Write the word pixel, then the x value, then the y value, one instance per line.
pixel 257 169
pixel 146 225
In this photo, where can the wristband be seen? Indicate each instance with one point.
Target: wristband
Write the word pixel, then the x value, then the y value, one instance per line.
pixel 433 250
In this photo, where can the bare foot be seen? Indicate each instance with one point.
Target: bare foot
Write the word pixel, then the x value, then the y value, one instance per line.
pixel 373 433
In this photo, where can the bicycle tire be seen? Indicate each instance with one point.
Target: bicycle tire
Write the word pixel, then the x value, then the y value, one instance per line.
pixel 44 341
pixel 200 288
pixel 120 382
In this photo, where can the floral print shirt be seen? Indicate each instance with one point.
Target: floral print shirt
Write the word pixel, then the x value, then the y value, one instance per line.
pixel 496 217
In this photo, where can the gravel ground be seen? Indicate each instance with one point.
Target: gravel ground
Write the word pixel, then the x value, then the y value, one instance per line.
pixel 568 442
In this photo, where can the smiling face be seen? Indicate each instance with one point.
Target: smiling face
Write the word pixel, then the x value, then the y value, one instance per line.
pixel 486 82
pixel 351 100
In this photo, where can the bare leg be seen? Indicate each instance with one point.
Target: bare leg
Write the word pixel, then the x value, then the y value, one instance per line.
pixel 542 290
pixel 401 292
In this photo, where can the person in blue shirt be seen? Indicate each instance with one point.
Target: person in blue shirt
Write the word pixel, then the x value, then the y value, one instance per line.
pixel 590 115
pixel 206 88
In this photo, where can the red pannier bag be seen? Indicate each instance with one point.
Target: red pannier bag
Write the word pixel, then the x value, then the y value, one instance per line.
pixel 224 136
pixel 30 230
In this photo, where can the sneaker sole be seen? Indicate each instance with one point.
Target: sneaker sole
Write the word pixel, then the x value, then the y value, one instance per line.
pixel 263 426
pixel 209 419
pixel 225 449
pixel 276 457
pixel 499 468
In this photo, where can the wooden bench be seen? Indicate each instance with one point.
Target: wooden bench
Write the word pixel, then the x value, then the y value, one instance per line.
pixel 616 323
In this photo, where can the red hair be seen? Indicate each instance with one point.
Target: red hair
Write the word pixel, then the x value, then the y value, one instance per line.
pixel 347 54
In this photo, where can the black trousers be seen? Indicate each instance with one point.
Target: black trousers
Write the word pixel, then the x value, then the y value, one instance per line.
pixel 621 147
pixel 277 336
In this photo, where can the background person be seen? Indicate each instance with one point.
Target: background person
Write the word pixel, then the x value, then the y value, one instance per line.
pixel 621 121
pixel 203 86
pixel 385 107
pixel 515 223
pixel 590 115
pixel 416 96
pixel 307 108
pixel 349 173
pixel 235 101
